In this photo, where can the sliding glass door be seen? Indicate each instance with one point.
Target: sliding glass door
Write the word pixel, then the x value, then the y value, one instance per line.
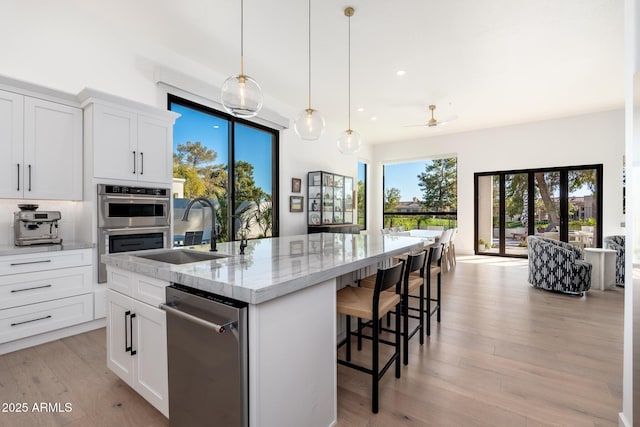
pixel 557 203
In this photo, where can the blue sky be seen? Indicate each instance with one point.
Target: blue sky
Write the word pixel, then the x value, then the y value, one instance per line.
pixel 404 177
pixel 252 145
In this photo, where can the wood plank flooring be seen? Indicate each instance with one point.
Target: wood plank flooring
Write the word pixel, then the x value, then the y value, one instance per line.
pixel 505 354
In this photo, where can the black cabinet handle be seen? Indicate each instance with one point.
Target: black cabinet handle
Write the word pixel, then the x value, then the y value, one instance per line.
pixel 32 320
pixel 13 264
pixel 18 176
pixel 13 291
pixel 29 177
pixel 133 352
pixel 141 163
pixel 134 162
pixel 127 347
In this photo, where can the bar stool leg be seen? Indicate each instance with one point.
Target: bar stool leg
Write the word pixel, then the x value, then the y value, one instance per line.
pixel 359 334
pixel 348 338
pixel 428 301
pixel 375 377
pixel 439 293
pixel 397 312
pixel 405 325
pixel 421 314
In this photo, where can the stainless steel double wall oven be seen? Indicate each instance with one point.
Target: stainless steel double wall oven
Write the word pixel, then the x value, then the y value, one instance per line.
pixel 132 219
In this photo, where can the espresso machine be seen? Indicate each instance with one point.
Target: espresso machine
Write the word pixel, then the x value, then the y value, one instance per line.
pixel 33 227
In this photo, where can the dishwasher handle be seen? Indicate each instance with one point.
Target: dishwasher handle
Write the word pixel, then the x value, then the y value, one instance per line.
pixel 186 316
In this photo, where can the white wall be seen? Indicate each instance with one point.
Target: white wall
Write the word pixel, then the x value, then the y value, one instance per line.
pixel 589 139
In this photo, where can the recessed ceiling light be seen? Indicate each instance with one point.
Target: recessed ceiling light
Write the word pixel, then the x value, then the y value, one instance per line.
pixel 360 109
pixel 374 118
pixel 401 73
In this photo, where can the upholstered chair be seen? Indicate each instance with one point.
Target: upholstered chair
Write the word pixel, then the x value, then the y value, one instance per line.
pixel 617 244
pixel 557 266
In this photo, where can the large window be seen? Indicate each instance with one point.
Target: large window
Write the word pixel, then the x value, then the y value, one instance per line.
pixel 362 195
pixel 229 161
pixel 557 203
pixel 421 194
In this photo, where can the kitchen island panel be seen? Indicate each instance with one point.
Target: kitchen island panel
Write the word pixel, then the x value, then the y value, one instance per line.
pixel 292 359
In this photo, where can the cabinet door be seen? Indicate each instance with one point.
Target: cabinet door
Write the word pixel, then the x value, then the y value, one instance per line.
pixel 119 331
pixel 155 145
pixel 114 143
pixel 52 150
pixel 151 373
pixel 11 145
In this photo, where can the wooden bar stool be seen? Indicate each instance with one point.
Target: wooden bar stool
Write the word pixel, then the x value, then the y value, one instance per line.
pixel 371 305
pixel 413 280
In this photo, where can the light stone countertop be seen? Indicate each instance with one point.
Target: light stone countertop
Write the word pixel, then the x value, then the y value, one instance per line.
pixel 271 267
pixel 64 246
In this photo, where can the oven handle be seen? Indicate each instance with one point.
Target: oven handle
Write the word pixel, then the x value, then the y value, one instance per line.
pixel 133 230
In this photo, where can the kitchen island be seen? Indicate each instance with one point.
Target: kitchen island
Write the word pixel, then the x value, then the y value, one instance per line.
pixel 290 285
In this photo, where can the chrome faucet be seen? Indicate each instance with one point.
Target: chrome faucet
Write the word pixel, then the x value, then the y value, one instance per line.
pixel 214 230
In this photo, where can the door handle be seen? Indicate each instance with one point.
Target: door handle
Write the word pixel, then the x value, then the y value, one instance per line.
pixel 133 352
pixel 29 177
pixel 188 317
pixel 134 162
pixel 127 347
pixel 141 163
pixel 18 176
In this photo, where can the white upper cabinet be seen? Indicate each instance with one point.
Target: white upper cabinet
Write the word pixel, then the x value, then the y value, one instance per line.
pixel 52 150
pixel 41 145
pixel 129 143
pixel 114 143
pixel 12 142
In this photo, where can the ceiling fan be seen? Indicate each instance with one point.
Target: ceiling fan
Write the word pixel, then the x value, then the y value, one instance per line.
pixel 433 122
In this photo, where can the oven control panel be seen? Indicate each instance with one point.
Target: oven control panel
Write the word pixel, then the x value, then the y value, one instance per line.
pixel 136 191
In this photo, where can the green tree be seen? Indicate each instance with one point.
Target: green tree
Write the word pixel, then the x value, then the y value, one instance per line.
pixel 438 183
pixel 361 206
pixel 195 153
pixel 391 199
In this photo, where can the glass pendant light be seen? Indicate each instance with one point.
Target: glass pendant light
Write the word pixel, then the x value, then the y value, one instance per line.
pixel 241 95
pixel 349 140
pixel 310 123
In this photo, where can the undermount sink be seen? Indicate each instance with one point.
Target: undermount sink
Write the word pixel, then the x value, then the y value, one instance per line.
pixel 181 256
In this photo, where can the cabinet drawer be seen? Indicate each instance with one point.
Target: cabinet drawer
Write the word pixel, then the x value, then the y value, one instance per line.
pixel 143 288
pixel 29 288
pixel 32 319
pixel 27 263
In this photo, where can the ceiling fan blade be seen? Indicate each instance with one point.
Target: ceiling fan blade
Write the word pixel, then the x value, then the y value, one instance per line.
pixel 415 126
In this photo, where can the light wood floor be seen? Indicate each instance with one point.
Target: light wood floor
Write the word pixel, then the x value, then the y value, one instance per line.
pixel 505 354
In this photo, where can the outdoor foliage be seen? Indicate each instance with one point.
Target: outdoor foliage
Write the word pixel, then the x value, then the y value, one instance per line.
pixel 195 163
pixel 391 199
pixel 438 184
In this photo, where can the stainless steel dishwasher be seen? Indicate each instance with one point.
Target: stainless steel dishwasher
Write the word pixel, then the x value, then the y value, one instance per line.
pixel 207 358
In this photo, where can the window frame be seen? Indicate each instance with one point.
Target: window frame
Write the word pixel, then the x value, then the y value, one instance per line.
pixel 275 156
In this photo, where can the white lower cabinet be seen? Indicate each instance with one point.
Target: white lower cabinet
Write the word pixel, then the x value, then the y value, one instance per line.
pixel 137 347
pixel 43 292
pixel 32 319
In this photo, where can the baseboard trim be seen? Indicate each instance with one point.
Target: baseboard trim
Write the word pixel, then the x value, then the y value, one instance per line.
pixel 34 340
pixel 622 420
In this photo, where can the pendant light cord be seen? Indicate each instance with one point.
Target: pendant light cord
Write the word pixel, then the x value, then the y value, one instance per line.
pixel 349 73
pixel 309 55
pixel 242 37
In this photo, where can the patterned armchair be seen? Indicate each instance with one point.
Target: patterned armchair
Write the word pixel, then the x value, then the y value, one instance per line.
pixel 557 266
pixel 617 244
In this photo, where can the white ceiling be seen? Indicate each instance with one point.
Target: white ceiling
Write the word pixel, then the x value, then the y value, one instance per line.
pixel 491 63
